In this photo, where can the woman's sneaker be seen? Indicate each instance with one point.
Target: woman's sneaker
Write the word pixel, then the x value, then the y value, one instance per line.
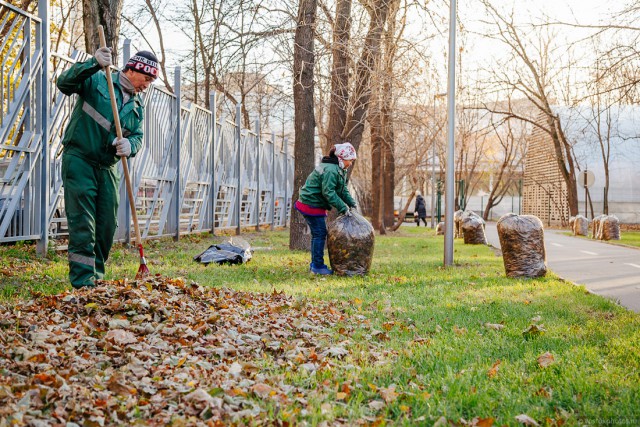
pixel 321 270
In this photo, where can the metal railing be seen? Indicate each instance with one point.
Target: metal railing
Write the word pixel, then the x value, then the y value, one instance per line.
pixel 193 173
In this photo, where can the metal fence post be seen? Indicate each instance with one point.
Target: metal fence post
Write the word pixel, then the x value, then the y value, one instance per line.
pixel 285 208
pixel 238 167
pixel 258 195
pixel 273 180
pixel 43 123
pixel 126 50
pixel 178 141
pixel 214 189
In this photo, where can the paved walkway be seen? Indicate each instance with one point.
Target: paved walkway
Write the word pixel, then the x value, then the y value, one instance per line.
pixel 604 269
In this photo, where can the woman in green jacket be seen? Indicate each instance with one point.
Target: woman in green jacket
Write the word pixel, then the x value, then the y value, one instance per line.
pixel 326 188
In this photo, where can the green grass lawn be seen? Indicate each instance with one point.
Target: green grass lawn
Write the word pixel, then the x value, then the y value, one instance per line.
pixel 628 238
pixel 631 238
pixel 440 351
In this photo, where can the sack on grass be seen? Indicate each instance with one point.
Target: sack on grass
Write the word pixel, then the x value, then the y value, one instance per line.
pixel 350 244
pixel 522 243
pixel 596 227
pixel 580 225
pixel 610 228
pixel 234 251
pixel 457 223
pixel 473 230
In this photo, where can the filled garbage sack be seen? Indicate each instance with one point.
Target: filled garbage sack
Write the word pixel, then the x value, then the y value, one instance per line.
pixel 440 229
pixel 522 242
pixel 473 230
pixel 580 225
pixel 596 228
pixel 350 243
pixel 235 251
pixel 457 223
pixel 610 228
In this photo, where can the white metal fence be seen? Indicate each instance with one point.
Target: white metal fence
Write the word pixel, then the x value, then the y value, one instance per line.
pixel 193 174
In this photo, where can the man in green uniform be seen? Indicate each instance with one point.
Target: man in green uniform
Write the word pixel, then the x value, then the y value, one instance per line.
pixel 92 152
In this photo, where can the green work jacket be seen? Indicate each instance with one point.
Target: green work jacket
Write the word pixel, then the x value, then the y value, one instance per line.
pixel 91 129
pixel 326 187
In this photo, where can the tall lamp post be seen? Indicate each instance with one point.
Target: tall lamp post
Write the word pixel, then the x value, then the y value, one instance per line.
pixel 433 161
pixel 451 100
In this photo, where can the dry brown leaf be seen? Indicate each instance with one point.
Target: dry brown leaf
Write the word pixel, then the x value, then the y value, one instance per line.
pixel 389 394
pixel 459 331
pixel 546 359
pixel 483 422
pixel 376 405
pixel 262 390
pixel 326 408
pixel 494 369
pixel 494 326
pixel 441 422
pixel 526 420
pixel 121 337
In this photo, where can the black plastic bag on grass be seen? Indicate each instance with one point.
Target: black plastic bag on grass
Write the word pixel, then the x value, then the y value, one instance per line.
pixel 350 244
pixel 235 251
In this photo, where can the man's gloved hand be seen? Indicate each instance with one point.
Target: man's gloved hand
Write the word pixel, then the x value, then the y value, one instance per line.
pixel 123 147
pixel 353 209
pixel 103 56
pixel 348 212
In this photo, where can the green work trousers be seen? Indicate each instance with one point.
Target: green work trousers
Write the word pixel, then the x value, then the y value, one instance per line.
pixel 91 204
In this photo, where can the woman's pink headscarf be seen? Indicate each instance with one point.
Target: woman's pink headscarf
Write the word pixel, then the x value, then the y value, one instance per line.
pixel 344 152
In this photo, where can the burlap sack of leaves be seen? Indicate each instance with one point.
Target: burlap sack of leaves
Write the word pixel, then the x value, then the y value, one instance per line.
pixel 350 244
pixel 473 230
pixel 522 242
pixel 457 224
pixel 610 228
pixel 580 225
pixel 440 229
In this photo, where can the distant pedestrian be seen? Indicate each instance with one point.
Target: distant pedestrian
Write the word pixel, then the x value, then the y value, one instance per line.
pixel 421 209
pixel 326 188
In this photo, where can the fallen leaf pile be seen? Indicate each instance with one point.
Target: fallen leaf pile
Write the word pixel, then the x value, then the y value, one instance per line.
pixel 160 352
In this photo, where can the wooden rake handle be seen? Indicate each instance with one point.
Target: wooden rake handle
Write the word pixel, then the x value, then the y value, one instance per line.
pixel 116 119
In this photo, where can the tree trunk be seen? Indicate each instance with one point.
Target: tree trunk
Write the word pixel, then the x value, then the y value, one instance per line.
pixel 339 99
pixel 388 142
pixel 564 157
pixel 375 126
pixel 354 127
pixel 388 158
pixel 304 121
pixel 106 13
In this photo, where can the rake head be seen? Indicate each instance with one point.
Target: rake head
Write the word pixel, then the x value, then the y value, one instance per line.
pixel 143 270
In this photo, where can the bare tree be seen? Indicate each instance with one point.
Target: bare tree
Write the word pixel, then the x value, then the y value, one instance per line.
pixel 303 69
pixel 537 70
pixel 339 73
pixel 140 19
pixel 508 148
